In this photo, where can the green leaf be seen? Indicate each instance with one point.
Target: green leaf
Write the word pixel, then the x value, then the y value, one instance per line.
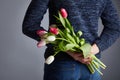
pixel 62 46
pixel 61 34
pixel 70 38
pixel 68 24
pixel 86 48
pixel 67 30
pixel 70 46
pixel 56 17
pixel 62 20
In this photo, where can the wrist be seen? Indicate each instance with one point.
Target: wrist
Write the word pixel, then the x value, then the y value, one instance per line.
pixel 94 49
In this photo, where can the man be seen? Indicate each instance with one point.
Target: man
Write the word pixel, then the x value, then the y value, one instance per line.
pixel 83 15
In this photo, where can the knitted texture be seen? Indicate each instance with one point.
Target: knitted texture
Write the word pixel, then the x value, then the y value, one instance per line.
pixel 83 15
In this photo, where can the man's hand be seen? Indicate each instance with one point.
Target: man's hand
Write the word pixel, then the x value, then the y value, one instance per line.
pixel 79 57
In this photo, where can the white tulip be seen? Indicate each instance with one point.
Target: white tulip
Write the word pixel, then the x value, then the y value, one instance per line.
pixel 51 38
pixel 49 60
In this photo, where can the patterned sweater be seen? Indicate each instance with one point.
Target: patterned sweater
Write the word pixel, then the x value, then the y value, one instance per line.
pixel 83 15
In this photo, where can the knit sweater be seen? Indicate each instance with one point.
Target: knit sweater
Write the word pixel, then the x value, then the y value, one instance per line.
pixel 83 15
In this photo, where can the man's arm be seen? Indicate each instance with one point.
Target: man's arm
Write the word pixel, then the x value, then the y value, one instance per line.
pixel 33 17
pixel 109 34
pixel 111 22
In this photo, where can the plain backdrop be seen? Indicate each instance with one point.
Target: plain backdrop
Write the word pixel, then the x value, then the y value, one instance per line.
pixel 20 59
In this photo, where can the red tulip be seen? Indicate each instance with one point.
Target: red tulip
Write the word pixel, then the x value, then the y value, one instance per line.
pixel 41 32
pixel 54 30
pixel 63 12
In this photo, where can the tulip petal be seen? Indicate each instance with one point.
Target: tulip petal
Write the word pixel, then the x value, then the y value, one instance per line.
pixel 41 32
pixel 49 60
pixel 54 30
pixel 41 43
pixel 51 38
pixel 63 13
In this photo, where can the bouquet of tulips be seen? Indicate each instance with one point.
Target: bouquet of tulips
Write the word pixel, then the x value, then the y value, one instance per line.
pixel 66 39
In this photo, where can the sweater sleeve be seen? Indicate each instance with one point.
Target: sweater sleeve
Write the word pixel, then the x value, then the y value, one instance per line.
pixel 33 17
pixel 111 22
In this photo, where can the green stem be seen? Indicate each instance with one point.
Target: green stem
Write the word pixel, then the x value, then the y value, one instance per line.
pixel 62 34
pixel 56 53
pixel 96 64
pixel 97 68
pixel 64 40
pixel 92 68
pixel 102 65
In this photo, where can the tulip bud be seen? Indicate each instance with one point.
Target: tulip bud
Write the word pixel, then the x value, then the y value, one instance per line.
pixel 51 38
pixel 63 12
pixel 82 41
pixel 54 30
pixel 41 43
pixel 79 33
pixel 49 60
pixel 41 32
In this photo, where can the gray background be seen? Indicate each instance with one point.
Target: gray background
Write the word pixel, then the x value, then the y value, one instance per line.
pixel 20 59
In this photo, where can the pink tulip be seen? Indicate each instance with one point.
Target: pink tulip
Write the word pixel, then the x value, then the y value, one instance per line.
pixel 54 30
pixel 41 32
pixel 63 12
pixel 41 43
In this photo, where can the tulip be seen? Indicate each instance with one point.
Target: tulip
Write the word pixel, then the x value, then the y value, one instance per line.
pixel 41 43
pixel 41 32
pixel 49 60
pixel 82 41
pixel 63 12
pixel 51 38
pixel 54 30
pixel 79 33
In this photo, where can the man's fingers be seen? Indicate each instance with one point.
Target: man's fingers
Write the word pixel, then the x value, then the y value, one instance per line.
pixel 85 60
pixel 79 57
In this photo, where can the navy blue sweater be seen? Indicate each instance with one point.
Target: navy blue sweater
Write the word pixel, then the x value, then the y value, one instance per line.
pixel 83 15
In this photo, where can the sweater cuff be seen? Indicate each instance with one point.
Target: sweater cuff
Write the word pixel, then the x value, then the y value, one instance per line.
pixel 100 45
